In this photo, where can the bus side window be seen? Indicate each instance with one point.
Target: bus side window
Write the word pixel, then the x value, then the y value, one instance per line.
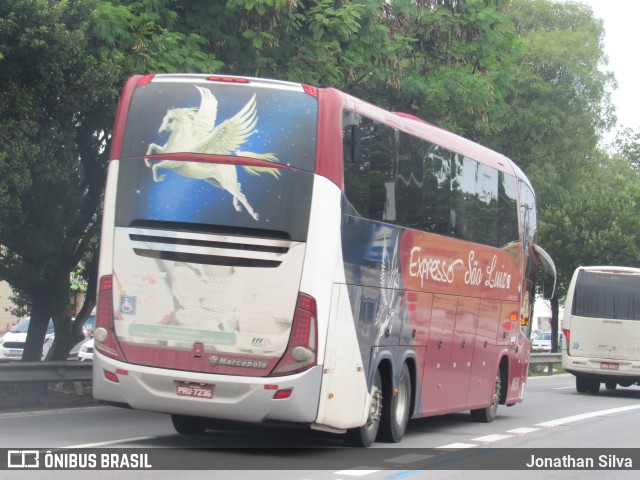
pixel 356 163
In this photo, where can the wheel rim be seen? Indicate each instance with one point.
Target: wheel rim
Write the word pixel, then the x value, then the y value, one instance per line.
pixel 375 408
pixel 496 393
pixel 401 401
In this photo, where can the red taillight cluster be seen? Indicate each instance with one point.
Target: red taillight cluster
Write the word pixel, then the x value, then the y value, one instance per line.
pixel 227 79
pixel 144 80
pixel 567 336
pixel 310 90
pixel 105 338
pixel 301 352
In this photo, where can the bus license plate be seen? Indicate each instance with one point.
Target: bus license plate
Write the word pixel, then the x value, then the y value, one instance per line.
pixel 609 366
pixel 198 390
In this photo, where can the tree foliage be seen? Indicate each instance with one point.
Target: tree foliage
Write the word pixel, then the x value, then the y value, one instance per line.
pixel 558 107
pixel 63 64
pixel 522 76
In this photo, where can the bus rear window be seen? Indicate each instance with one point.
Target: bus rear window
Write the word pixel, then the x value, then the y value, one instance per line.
pixel 607 295
pixel 222 119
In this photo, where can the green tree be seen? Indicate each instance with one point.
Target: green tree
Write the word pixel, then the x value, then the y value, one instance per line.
pixel 559 106
pixel 62 65
pixel 627 146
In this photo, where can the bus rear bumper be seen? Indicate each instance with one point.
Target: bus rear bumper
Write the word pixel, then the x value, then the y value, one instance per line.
pixel 602 368
pixel 235 398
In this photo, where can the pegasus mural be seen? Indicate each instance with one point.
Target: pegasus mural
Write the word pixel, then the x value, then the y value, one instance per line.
pixel 194 130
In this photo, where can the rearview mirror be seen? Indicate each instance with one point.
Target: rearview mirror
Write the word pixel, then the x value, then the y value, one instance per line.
pixel 550 274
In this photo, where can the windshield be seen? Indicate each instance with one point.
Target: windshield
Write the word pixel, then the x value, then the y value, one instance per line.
pixel 23 326
pixel 544 336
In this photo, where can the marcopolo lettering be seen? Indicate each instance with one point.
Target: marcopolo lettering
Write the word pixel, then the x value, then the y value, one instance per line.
pixel 215 360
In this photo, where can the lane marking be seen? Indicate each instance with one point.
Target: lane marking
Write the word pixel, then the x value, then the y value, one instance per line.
pixel 409 458
pixel 584 416
pixel 523 430
pixel 403 474
pixel 562 388
pixel 355 473
pixel 110 442
pixel 459 445
pixel 490 438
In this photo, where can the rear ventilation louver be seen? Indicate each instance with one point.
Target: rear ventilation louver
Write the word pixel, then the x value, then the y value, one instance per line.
pixel 209 249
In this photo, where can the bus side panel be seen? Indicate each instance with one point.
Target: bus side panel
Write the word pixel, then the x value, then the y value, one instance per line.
pixel 419 306
pixel 436 384
pixel 344 393
pixel 518 348
pixel 462 348
pixel 484 363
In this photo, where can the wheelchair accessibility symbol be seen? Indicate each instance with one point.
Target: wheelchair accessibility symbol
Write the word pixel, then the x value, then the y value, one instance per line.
pixel 128 305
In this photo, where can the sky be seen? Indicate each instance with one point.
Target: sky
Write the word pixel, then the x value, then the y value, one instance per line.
pixel 621 19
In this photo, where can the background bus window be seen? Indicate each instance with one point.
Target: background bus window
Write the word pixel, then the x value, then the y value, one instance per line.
pixel 607 295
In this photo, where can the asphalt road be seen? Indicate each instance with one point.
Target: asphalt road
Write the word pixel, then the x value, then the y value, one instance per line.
pixel 553 419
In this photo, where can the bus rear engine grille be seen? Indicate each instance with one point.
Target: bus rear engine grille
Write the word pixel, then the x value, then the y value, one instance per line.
pixel 209 249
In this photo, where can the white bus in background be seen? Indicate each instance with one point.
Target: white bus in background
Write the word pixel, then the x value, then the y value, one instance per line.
pixel 601 326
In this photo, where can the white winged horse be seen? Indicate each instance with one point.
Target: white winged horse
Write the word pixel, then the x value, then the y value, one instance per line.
pixel 194 130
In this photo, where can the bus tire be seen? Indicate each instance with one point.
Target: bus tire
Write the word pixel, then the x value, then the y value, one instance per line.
pixel 396 409
pixel 610 384
pixel 581 384
pixel 186 425
pixel 488 414
pixel 587 385
pixel 365 435
pixel 593 385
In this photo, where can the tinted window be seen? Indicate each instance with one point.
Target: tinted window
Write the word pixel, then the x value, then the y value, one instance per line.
pixel 285 121
pixel 397 178
pixel 605 295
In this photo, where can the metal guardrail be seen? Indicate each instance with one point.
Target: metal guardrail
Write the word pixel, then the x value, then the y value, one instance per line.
pixel 75 371
pixel 546 358
pixel 45 372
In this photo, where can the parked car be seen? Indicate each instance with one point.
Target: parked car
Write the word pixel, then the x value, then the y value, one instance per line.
pixel 85 353
pixel 542 342
pixel 12 342
pixel 89 325
pixel 83 350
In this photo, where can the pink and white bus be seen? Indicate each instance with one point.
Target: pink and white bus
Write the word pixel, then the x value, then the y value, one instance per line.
pixel 273 251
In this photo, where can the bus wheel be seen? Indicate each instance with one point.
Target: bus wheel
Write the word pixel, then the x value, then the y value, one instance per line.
pixel 610 384
pixel 581 384
pixel 593 386
pixel 187 425
pixel 587 385
pixel 396 409
pixel 488 414
pixel 365 435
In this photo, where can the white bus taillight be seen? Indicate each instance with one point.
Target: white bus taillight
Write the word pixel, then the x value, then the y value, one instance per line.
pixel 301 352
pixel 104 333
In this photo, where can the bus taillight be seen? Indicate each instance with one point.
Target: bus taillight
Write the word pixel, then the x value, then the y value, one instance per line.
pixel 301 352
pixel 228 79
pixel 567 336
pixel 310 90
pixel 144 80
pixel 104 334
